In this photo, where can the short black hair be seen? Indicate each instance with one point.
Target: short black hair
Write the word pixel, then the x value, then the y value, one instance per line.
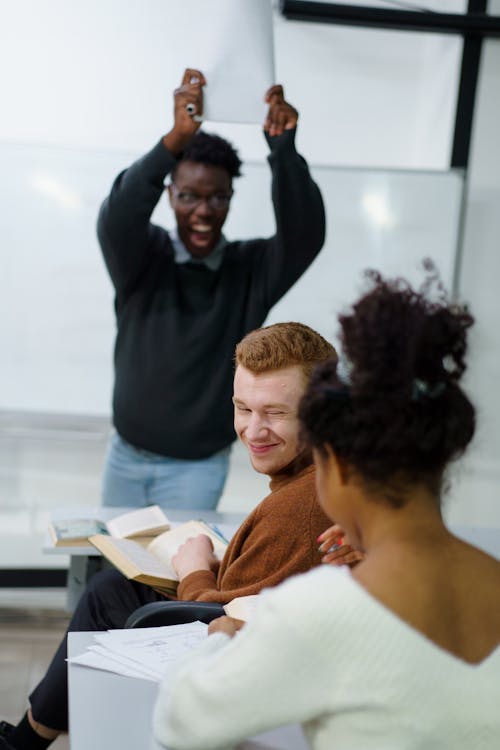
pixel 394 410
pixel 208 148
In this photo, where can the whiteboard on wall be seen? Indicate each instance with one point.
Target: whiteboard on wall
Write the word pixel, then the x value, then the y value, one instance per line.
pixel 56 302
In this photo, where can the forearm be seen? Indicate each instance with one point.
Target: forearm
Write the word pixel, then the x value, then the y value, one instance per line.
pixel 298 205
pixel 201 585
pixel 123 226
pixel 232 687
pixel 138 188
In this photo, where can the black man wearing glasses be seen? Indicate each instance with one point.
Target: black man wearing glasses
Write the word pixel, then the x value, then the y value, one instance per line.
pixel 184 298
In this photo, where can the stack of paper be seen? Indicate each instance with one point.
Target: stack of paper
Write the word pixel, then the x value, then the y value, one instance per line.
pixel 146 653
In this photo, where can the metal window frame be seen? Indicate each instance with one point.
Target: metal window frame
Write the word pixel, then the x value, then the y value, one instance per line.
pixel 474 26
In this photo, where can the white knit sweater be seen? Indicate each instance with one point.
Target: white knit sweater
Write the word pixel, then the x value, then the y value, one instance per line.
pixel 320 650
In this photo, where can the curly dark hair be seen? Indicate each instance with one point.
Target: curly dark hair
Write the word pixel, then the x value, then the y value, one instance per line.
pixel 208 148
pixel 393 409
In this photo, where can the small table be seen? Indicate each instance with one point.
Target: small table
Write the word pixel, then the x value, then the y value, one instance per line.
pixel 108 711
pixel 85 560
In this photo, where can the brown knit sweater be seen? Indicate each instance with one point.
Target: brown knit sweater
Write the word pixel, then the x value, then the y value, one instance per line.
pixel 277 540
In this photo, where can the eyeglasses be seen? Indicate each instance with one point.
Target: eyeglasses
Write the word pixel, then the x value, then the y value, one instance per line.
pixel 187 199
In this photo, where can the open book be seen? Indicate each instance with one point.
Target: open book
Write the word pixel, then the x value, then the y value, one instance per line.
pixel 145 522
pixel 152 565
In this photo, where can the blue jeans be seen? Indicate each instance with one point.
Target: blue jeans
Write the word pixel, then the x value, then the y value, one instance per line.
pixel 136 478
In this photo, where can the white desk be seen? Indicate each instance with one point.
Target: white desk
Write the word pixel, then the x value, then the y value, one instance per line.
pixel 86 560
pixel 111 712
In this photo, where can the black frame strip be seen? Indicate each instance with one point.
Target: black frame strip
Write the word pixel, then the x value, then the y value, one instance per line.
pixel 32 578
pixel 469 74
pixel 473 26
pixel 473 23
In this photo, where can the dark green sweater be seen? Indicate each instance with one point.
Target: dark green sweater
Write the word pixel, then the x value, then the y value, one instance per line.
pixel 178 324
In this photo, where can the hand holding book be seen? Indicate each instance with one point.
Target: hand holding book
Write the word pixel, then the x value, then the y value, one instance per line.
pixel 153 565
pixel 197 553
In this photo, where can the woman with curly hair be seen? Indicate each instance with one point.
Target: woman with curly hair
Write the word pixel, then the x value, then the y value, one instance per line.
pixel 402 650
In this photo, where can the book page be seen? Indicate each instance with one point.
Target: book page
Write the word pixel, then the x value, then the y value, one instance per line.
pixel 132 559
pixel 139 522
pixel 166 545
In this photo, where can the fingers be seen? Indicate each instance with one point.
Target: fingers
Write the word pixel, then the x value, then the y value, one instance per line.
pixel 188 107
pixel 193 76
pixel 225 624
pixel 331 539
pixel 281 115
pixel 196 542
pixel 189 94
pixel 275 92
pixel 335 547
pixel 199 539
pixel 331 534
pixel 345 555
pixel 211 544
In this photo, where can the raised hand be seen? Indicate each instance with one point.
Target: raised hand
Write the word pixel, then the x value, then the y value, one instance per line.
pixel 188 110
pixel 280 115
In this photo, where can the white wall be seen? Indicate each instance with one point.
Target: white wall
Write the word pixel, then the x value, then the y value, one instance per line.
pixel 87 86
pixel 99 74
pixel 58 334
pixel 479 488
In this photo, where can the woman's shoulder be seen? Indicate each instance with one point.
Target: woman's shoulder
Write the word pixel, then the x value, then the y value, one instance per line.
pixel 321 589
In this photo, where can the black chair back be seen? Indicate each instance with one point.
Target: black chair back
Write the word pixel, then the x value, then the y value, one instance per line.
pixel 173 613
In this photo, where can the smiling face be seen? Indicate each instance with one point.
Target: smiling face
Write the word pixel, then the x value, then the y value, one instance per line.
pixel 200 222
pixel 265 415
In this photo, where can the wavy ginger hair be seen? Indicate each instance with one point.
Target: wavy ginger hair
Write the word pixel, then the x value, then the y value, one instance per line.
pixel 283 345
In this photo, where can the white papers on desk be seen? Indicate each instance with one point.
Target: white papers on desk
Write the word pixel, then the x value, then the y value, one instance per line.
pixel 146 653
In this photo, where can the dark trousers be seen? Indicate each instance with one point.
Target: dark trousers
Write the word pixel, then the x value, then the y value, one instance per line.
pixel 107 602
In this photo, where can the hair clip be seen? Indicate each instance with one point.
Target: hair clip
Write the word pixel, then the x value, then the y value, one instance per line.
pixel 421 389
pixel 344 369
pixel 449 364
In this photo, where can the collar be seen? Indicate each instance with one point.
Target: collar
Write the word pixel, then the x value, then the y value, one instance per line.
pixel 299 467
pixel 182 255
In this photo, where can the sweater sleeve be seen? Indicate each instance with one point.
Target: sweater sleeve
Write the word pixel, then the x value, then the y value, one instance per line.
pixel 276 541
pixel 300 219
pixel 196 585
pixel 232 687
pixel 125 232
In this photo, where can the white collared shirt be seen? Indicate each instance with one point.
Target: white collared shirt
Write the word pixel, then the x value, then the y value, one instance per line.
pixel 182 254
